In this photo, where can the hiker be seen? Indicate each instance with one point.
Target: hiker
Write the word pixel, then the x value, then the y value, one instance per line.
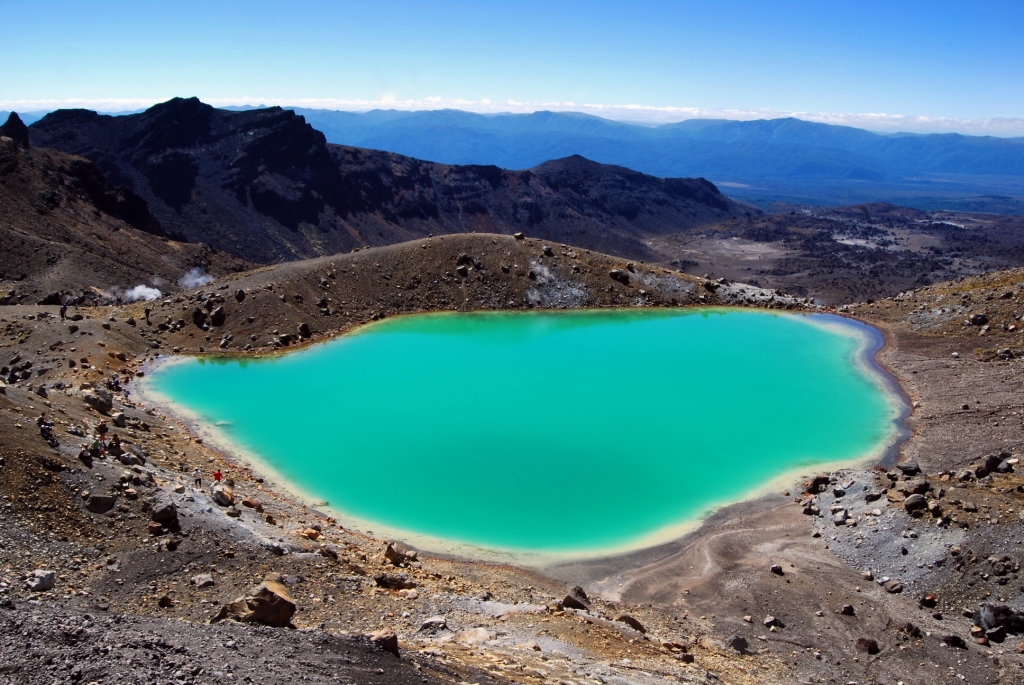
pixel 84 456
pixel 217 475
pixel 147 314
pixel 63 312
pixel 96 449
pixel 41 421
pixel 197 476
pixel 114 447
pixel 101 430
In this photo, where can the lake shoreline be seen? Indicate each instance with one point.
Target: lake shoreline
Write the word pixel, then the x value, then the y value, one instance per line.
pixel 871 343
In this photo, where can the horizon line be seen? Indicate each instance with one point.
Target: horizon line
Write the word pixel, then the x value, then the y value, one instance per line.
pixel 649 115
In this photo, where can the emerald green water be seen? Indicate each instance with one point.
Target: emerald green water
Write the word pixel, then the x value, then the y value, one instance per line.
pixel 546 432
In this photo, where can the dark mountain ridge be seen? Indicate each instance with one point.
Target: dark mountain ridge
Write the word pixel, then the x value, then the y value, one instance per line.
pixel 266 186
pixel 764 159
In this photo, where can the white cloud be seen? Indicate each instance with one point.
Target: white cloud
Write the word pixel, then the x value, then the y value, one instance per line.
pixel 646 114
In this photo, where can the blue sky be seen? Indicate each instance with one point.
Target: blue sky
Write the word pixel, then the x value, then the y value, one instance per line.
pixel 884 65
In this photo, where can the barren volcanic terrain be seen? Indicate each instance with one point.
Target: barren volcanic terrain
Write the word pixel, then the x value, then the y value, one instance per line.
pixel 874 575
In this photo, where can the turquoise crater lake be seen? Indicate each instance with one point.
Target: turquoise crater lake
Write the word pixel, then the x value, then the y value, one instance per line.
pixel 547 433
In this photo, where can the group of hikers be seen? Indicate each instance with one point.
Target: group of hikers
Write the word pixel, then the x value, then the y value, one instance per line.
pixel 100 446
pixel 197 476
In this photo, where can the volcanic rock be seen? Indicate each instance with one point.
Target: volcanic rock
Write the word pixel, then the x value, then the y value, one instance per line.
pixel 41 581
pixel 268 603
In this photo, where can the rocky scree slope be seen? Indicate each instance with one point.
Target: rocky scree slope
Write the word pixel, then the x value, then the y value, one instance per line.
pixel 265 186
pixel 67 233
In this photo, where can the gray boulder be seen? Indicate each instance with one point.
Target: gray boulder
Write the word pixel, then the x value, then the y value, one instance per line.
pixel 434 624
pixel 164 510
pixel 577 599
pixel 915 502
pixel 99 399
pixel 41 581
pixel 100 504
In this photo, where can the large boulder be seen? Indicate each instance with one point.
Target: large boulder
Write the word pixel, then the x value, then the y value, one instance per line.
pixel 41 581
pixel 222 494
pixel 164 510
pixel 909 467
pixel 217 316
pixel 199 317
pixel 993 617
pixel 576 599
pixel 268 603
pixel 394 581
pixel 385 640
pixel 99 399
pixel 915 502
pixel 100 504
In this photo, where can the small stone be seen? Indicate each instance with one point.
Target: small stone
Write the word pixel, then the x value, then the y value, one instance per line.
pixel 738 643
pixel 776 569
pixel 847 610
pixel 954 641
pixel 632 623
pixel 474 636
pixel 867 645
pixel 434 624
pixel 203 580
pixel 893 587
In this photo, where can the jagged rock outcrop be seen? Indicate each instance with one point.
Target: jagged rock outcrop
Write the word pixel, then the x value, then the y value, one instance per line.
pixel 15 129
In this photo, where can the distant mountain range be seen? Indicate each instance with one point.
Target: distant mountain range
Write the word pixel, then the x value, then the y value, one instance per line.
pixel 265 186
pixel 762 161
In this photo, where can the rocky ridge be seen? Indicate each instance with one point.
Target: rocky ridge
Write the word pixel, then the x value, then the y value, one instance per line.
pixel 265 186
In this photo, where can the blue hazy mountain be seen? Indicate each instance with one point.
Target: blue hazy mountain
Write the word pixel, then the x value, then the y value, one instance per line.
pixel 767 160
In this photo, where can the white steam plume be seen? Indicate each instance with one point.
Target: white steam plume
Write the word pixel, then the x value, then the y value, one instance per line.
pixel 142 292
pixel 194 278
